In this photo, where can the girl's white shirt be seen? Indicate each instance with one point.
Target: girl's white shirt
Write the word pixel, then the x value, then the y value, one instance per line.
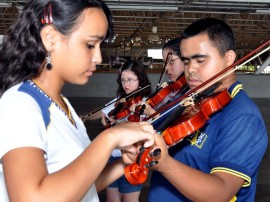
pixel 22 125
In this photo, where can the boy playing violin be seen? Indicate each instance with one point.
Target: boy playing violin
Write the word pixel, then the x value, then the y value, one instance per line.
pixel 220 161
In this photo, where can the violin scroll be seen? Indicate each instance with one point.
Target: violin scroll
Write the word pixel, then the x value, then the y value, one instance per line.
pixel 164 94
pixel 137 172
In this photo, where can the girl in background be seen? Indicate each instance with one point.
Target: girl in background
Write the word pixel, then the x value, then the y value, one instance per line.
pixel 132 75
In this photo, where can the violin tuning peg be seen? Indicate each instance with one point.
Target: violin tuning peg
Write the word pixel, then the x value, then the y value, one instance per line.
pixel 156 152
pixel 142 148
pixel 151 164
pixel 143 106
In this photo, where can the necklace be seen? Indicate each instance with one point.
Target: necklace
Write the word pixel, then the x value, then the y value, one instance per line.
pixel 57 104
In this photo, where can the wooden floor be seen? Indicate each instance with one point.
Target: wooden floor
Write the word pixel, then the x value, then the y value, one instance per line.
pixel 86 105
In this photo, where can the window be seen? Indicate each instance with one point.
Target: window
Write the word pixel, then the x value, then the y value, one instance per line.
pixel 154 53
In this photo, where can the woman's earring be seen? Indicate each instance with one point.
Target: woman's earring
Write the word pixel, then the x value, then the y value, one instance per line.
pixel 48 61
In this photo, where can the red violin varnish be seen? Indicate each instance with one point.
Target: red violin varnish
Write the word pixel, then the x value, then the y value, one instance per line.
pixel 118 104
pixel 137 173
pixel 122 109
pixel 160 95
pixel 135 117
pixel 195 116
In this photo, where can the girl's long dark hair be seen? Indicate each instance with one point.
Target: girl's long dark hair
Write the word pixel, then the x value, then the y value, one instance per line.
pixel 138 69
pixel 22 52
pixel 173 45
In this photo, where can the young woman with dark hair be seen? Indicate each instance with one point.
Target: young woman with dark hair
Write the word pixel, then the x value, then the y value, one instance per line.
pixel 45 152
pixel 131 77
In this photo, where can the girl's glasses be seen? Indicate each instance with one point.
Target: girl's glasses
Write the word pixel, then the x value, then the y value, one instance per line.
pixel 171 62
pixel 129 81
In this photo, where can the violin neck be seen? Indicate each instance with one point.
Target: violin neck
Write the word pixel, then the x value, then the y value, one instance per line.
pixel 209 91
pixel 168 59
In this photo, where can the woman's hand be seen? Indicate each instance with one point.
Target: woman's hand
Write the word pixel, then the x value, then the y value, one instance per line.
pixel 130 157
pixel 164 84
pixel 129 133
pixel 148 110
pixel 104 120
pixel 163 156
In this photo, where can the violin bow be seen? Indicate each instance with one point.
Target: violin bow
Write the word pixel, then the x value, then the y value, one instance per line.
pixel 168 59
pixel 205 85
pixel 87 116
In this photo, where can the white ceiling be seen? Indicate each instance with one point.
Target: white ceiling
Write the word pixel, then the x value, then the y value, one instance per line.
pixel 134 20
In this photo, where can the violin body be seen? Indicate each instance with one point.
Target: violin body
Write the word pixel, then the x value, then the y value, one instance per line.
pixel 163 96
pixel 195 116
pixel 122 109
pixel 163 93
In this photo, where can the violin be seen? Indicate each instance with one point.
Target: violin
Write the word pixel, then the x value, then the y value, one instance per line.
pixel 195 116
pixel 162 96
pixel 192 117
pixel 122 109
pixel 119 104
pixel 163 93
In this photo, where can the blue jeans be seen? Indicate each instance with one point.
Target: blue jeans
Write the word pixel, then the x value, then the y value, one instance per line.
pixel 122 184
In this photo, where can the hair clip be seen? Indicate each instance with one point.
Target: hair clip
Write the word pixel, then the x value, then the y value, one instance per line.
pixel 47 15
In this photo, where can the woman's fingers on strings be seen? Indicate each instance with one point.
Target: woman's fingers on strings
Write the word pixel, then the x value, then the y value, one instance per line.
pixel 148 128
pixel 164 84
pixel 130 133
pixel 133 108
pixel 129 149
pixel 128 157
